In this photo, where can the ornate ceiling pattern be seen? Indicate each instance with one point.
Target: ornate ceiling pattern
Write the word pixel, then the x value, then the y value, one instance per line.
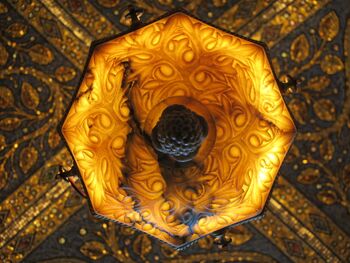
pixel 43 48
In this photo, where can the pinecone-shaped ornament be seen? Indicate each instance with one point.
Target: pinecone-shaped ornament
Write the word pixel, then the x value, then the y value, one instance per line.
pixel 179 133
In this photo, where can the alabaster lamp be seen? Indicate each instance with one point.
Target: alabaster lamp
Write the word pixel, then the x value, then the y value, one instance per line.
pixel 178 129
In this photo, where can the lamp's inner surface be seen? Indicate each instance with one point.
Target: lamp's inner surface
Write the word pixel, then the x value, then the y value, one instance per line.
pixel 193 81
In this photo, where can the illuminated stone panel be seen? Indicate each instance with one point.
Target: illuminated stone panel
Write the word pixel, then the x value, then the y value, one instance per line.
pixel 224 78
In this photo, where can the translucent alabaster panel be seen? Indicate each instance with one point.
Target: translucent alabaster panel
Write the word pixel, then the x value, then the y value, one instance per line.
pixel 224 78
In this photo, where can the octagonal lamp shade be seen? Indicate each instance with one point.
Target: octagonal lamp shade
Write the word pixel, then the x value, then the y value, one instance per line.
pixel 155 79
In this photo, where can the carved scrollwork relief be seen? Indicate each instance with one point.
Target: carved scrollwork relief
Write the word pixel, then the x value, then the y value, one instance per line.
pixel 223 78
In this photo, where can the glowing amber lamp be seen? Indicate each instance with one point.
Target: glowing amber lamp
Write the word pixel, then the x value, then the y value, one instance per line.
pixel 223 78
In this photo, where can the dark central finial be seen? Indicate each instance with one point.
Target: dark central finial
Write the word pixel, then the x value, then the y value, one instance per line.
pixel 179 133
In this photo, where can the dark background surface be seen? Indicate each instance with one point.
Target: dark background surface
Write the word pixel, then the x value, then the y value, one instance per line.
pixel 43 48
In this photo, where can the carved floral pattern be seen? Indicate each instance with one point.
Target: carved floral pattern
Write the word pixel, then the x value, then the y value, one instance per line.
pixel 179 56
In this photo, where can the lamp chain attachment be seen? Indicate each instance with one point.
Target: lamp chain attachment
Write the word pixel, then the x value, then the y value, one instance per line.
pixel 289 85
pixel 69 177
pixel 220 239
pixel 134 14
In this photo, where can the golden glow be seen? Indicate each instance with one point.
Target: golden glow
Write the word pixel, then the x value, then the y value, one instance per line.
pixel 224 78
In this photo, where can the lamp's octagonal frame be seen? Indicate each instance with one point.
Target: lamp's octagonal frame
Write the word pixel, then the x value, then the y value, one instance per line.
pixel 183 59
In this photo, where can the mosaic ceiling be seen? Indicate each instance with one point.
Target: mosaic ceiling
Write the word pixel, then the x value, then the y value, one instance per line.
pixel 43 48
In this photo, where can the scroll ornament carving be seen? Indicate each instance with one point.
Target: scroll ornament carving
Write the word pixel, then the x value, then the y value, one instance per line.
pixel 179 58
